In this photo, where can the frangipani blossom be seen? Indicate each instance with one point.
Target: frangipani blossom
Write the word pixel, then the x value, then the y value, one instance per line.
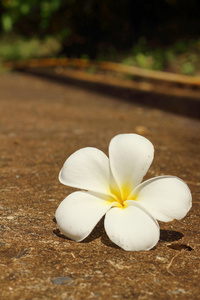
pixel 112 187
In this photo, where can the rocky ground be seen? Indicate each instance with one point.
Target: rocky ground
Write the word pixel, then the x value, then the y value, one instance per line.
pixel 41 123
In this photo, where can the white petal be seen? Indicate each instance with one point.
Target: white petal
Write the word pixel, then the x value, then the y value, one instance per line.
pixel 79 213
pixel 87 169
pixel 130 158
pixel 165 197
pixel 132 228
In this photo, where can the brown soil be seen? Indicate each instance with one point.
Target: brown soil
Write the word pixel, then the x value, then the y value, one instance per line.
pixel 42 123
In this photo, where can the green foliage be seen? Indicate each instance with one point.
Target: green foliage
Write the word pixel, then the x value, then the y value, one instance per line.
pixel 147 34
pixel 182 57
pixel 15 48
pixel 93 26
pixel 188 68
pixel 7 22
pixel 180 47
pixel 18 11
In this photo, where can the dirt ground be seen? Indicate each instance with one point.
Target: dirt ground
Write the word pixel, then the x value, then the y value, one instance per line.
pixel 41 123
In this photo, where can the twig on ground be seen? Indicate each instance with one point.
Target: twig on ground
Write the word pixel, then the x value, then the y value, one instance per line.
pixel 169 265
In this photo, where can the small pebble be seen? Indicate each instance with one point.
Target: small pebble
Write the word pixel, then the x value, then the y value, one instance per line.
pixel 62 280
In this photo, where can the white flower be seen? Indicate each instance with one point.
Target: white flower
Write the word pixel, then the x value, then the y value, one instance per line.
pixel 113 188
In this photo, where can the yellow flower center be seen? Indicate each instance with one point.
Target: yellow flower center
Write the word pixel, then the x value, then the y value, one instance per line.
pixel 122 194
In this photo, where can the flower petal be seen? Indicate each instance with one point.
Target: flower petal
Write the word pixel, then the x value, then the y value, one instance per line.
pixel 131 227
pixel 79 213
pixel 130 158
pixel 165 197
pixel 88 169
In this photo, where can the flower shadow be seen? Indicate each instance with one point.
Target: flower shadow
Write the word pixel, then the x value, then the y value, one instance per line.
pixel 170 235
pixel 165 236
pixel 107 242
pixel 59 234
pixel 99 232
pixel 57 231
pixel 96 233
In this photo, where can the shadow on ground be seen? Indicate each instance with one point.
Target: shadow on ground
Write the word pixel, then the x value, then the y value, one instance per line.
pixel 99 232
pixel 182 106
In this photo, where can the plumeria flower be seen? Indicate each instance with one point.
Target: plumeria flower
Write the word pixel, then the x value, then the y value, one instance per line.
pixel 112 187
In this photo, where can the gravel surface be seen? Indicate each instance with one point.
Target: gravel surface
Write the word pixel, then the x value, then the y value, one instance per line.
pixel 41 123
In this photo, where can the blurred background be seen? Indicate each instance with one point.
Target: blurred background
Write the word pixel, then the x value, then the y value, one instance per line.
pixel 156 34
